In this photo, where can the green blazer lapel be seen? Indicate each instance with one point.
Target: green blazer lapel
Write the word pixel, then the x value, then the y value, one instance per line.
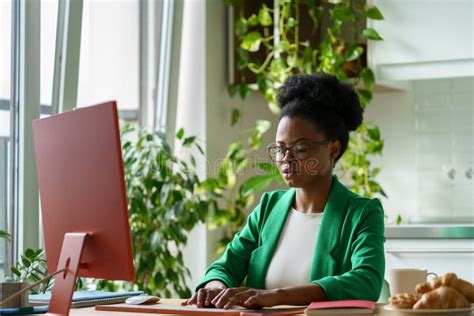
pixel 329 230
pixel 270 235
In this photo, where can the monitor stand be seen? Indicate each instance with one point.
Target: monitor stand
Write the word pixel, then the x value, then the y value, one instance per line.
pixel 69 259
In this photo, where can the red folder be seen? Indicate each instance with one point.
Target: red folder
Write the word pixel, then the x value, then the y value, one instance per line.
pixel 342 304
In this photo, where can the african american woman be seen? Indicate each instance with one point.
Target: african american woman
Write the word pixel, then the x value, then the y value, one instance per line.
pixel 317 240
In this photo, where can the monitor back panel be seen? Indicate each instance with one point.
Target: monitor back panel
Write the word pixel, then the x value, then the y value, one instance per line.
pixel 82 188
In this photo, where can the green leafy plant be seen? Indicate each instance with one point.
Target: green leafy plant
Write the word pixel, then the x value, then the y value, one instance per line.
pixel 31 268
pixel 233 189
pixel 165 200
pixel 335 45
pixel 5 235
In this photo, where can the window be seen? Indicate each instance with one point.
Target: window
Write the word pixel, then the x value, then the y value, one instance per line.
pixel 49 18
pixel 5 88
pixel 109 59
pixel 114 37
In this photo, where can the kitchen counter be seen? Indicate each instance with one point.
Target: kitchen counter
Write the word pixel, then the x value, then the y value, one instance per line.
pixel 422 231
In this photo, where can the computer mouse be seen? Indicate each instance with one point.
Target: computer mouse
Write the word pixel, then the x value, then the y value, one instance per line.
pixel 142 299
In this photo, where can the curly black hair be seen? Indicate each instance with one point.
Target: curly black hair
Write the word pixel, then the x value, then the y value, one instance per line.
pixel 333 106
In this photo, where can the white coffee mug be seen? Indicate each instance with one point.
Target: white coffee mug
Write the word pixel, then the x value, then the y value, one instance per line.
pixel 405 280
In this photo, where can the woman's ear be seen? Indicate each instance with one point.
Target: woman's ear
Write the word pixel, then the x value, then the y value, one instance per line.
pixel 335 149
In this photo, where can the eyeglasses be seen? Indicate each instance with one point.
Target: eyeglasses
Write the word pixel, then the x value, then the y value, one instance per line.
pixel 299 151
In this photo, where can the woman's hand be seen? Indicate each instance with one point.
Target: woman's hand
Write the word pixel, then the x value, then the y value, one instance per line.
pixel 246 297
pixel 204 296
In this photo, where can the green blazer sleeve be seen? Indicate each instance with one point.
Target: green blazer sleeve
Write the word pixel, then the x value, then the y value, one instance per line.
pixel 361 255
pixel 232 267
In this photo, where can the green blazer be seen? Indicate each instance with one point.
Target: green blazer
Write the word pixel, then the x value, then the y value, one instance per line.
pixel 348 260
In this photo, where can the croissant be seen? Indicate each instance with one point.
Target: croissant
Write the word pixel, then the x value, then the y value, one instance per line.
pixel 442 297
pixel 404 300
pixel 466 289
pixel 424 287
pixel 436 283
pixel 463 287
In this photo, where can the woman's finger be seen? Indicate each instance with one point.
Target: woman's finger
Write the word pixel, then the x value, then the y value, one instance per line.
pixel 225 296
pixel 201 297
pixel 209 296
pixel 251 302
pixel 218 297
pixel 239 298
pixel 189 301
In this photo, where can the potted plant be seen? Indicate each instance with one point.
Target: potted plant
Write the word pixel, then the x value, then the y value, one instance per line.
pixel 166 199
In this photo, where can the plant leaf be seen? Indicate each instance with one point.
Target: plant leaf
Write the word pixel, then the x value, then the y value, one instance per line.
pixel 252 20
pixel 365 96
pixel 180 133
pixel 398 220
pixel 370 33
pixel 264 17
pixel 235 116
pixel 367 77
pixel 256 184
pixel 292 22
pixel 252 42
pixel 232 89
pixel 353 52
pixel 4 234
pixel 244 91
pixel 374 132
pixel 268 168
pixel 372 12
pixel 188 141
pixel 15 271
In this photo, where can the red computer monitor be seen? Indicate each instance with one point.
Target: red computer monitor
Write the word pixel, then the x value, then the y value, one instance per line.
pixel 82 190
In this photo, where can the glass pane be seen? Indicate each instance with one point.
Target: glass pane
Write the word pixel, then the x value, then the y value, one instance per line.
pixel 5 62
pixel 49 18
pixel 109 60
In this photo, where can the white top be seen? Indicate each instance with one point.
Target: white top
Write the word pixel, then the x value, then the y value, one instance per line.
pixel 291 263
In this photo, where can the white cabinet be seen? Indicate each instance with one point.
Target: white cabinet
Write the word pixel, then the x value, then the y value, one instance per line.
pixel 437 255
pixel 423 39
pixel 444 137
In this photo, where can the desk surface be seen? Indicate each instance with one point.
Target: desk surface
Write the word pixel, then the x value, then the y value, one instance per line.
pixel 92 312
pixel 168 304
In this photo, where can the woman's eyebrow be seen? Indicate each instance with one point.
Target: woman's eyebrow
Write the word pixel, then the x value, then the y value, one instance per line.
pixel 296 141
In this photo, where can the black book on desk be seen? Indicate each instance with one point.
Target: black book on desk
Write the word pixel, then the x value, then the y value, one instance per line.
pixel 86 298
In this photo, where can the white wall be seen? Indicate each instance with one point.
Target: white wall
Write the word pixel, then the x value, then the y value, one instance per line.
pixel 393 113
pixel 191 115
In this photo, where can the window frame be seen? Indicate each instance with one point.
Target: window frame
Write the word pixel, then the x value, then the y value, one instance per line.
pixel 23 211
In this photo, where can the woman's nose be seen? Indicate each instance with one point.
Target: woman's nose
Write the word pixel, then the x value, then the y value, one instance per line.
pixel 288 155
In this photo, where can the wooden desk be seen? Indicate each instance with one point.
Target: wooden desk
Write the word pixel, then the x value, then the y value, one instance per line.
pixel 170 304
pixel 90 311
